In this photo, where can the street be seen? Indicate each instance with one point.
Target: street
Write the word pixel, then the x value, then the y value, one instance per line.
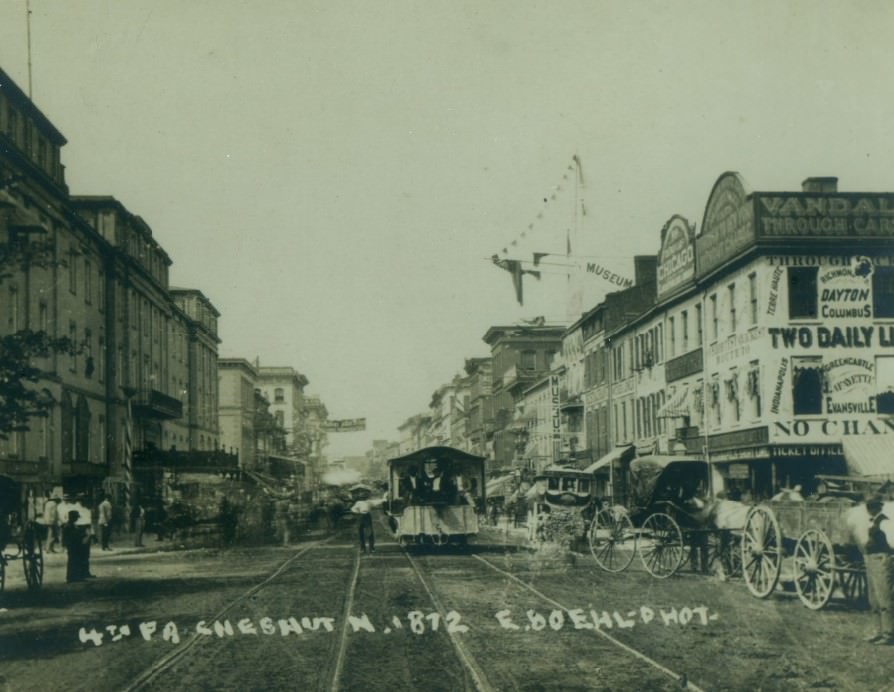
pixel 319 615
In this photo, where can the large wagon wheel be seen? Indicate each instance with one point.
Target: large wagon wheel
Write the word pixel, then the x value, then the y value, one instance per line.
pixel 661 545
pixel 612 539
pixel 814 568
pixel 32 558
pixel 761 551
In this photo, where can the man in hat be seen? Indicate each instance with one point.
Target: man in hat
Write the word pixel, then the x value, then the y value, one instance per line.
pixel 74 537
pixel 879 555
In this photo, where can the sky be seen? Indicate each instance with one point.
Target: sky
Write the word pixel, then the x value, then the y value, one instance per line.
pixel 334 176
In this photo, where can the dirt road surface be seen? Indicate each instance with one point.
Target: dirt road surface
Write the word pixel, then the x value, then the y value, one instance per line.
pixel 318 615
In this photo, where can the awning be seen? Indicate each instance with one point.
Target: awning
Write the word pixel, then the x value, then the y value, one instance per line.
pixel 677 405
pixel 869 455
pixel 621 453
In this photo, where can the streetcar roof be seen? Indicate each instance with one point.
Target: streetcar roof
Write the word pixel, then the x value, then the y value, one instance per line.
pixel 437 452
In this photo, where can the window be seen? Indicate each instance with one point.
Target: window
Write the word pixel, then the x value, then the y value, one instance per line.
pixel 807 385
pixel 101 360
pixel 280 419
pixel 715 331
pixel 752 298
pixel 884 379
pixel 73 336
pixel 671 338
pixel 279 395
pixel 732 394
pixel 802 295
pixel 684 325
pixel 13 309
pixel 714 399
pixel 754 388
pixel 73 270
pixel 731 289
pixel 883 291
pixel 12 124
pixel 528 360
pixel 700 337
pixel 42 317
pixel 88 282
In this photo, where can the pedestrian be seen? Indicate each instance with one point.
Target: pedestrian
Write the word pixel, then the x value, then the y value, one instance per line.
pixel 365 527
pixel 139 521
pixel 85 524
pixel 74 540
pixel 879 554
pixel 51 521
pixel 105 521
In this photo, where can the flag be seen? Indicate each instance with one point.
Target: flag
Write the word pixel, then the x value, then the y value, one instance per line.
pixel 514 267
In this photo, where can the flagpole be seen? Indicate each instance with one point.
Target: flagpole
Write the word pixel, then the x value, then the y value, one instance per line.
pixel 28 23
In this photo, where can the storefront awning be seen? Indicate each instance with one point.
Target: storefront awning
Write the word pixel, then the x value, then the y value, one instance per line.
pixel 618 453
pixel 869 456
pixel 677 405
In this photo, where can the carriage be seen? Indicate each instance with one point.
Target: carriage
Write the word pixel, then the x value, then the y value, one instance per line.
pixel 20 537
pixel 435 496
pixel 561 489
pixel 815 538
pixel 665 519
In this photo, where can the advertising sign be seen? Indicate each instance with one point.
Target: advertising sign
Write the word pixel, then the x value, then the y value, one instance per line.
pixel 346 425
pixel 728 226
pixel 839 215
pixel 676 260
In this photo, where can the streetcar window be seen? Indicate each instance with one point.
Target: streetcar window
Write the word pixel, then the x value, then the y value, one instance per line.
pixel 584 485
pixel 553 483
pixel 568 484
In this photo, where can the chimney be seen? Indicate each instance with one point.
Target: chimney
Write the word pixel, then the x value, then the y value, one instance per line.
pixel 820 185
pixel 645 269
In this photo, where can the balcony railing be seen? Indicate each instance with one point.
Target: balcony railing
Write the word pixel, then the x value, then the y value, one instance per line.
pixel 155 404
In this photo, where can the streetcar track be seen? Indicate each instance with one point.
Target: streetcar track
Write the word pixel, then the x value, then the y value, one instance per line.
pixel 164 663
pixel 682 679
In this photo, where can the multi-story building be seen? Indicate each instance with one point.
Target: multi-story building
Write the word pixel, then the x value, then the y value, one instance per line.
pixel 315 414
pixel 521 355
pixel 413 433
pixel 236 409
pixel 202 358
pixel 480 411
pixel 284 388
pixel 778 338
pixel 97 276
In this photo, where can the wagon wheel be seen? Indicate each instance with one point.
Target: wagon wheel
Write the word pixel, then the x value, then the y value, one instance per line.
pixel 852 580
pixel 612 539
pixel 661 549
pixel 761 551
pixel 814 569
pixel 32 558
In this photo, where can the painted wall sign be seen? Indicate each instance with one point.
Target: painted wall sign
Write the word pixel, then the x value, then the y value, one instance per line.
pixel 819 450
pixel 735 346
pixel 555 402
pixel 676 260
pixel 868 337
pixel 831 428
pixel 805 215
pixel 845 293
pixel 728 224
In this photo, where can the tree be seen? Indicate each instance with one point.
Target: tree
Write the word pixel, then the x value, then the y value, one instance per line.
pixel 20 399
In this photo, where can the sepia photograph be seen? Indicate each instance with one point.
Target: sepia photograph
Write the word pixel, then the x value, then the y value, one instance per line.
pixel 446 345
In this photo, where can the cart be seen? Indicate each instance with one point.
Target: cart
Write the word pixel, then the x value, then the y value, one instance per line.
pixel 816 537
pixel 19 539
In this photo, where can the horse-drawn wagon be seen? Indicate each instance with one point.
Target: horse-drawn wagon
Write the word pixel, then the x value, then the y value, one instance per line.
pixel 20 536
pixel 818 538
pixel 667 518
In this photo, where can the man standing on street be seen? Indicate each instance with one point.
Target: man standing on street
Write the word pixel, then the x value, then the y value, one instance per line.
pixel 364 509
pixel 105 521
pixel 880 572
